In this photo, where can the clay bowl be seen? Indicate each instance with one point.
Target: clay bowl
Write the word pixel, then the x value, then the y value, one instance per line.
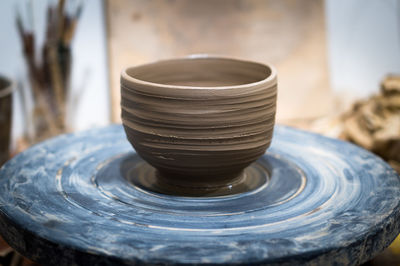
pixel 199 120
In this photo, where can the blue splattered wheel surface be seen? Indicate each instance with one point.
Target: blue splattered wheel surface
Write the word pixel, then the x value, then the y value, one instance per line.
pixel 73 200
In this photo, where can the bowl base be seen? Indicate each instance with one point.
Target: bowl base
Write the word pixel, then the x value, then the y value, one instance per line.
pixel 146 177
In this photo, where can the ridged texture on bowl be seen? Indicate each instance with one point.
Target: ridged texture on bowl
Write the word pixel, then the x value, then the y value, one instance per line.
pixel 211 133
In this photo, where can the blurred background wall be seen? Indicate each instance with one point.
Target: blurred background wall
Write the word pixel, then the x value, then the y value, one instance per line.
pixel 288 34
pixel 364 44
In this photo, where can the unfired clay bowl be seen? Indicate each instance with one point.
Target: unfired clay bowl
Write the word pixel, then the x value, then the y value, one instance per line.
pixel 199 120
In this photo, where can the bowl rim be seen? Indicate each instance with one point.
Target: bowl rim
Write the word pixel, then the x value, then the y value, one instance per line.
pixel 269 80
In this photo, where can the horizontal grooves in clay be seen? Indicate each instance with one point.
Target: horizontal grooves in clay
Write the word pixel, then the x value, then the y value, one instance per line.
pixel 199 108
pixel 223 125
pixel 199 94
pixel 197 122
pixel 202 95
pixel 194 138
pixel 194 133
pixel 199 131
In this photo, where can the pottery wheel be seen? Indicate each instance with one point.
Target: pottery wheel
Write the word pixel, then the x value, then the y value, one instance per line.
pixel 76 199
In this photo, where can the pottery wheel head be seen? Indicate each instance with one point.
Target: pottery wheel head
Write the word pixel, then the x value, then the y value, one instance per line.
pixel 200 121
pixel 96 202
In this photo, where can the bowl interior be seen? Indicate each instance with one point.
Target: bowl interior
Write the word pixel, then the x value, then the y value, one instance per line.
pixel 201 72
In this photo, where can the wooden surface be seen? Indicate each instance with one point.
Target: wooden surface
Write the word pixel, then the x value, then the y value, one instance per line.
pixel 324 202
pixel 288 34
